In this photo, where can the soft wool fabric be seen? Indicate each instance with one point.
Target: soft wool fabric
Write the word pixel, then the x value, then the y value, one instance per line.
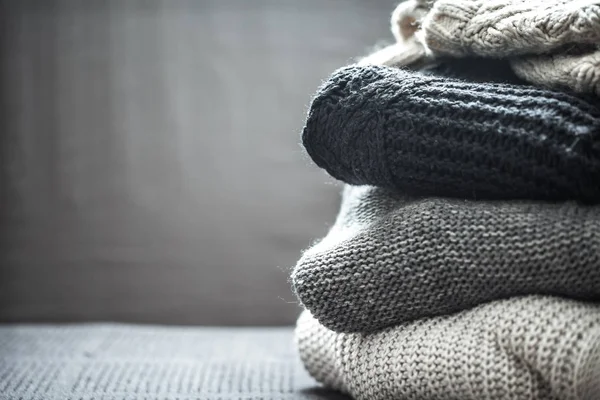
pixel 411 53
pixel 501 28
pixel 429 135
pixel 530 348
pixel 521 30
pixel 390 259
pixel 475 70
pixel 409 48
pixel 580 73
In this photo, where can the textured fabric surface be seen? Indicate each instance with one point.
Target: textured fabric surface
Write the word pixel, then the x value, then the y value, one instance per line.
pixel 521 30
pixel 500 28
pixel 390 259
pixel 122 362
pixel 476 70
pixel 578 72
pixel 430 135
pixel 531 348
pixel 471 69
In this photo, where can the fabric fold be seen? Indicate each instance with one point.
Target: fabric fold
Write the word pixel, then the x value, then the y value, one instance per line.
pixel 536 36
pixel 579 72
pixel 389 258
pixel 505 28
pixel 423 134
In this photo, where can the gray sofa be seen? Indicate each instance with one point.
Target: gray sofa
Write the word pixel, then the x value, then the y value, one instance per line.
pixel 153 186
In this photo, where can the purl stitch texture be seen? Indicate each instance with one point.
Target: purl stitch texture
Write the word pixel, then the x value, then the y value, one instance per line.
pixel 389 259
pixel 529 348
pixel 429 135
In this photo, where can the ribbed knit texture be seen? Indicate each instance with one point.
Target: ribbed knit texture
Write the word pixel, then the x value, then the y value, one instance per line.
pixel 122 362
pixel 429 135
pixel 390 259
pixel 531 348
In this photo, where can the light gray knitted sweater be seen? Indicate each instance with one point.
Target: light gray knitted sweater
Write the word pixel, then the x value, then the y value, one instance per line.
pixel 529 348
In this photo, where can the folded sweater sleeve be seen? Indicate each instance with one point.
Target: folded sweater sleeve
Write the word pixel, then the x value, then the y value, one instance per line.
pixel 424 134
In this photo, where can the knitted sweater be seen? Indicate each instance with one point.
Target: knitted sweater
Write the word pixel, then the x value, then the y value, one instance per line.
pixel 539 36
pixel 429 135
pixel 580 73
pixel 390 259
pixel 529 348
pixel 502 28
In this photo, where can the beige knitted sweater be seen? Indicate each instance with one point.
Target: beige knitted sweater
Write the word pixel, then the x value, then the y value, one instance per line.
pixel 551 43
pixel 528 348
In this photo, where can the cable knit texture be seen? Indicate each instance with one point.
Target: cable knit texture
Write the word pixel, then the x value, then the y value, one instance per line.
pixel 536 35
pixel 530 348
pixel 503 28
pixel 575 72
pixel 390 259
pixel 429 135
pixel 500 28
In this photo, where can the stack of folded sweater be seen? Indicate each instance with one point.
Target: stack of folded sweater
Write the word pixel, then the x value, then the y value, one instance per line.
pixel 465 260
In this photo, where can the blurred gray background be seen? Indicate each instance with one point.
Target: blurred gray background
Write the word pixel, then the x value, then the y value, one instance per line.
pixel 150 164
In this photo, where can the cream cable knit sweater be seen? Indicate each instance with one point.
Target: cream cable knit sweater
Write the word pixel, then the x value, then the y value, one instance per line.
pixel 528 348
pixel 505 28
pixel 535 34
pixel 580 73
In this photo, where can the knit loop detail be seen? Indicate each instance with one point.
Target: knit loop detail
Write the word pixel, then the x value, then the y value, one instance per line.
pixel 429 135
pixel 580 73
pixel 524 348
pixel 501 28
pixel 389 259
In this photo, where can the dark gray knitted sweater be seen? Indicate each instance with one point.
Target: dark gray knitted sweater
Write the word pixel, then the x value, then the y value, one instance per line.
pixel 390 259
pixel 430 135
